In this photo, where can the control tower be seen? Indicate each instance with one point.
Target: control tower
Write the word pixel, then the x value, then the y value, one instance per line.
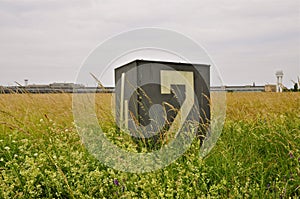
pixel 279 86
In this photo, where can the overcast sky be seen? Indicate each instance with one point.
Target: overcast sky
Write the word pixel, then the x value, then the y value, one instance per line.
pixel 46 41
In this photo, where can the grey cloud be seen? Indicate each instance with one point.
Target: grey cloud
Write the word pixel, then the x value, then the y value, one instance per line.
pixel 242 36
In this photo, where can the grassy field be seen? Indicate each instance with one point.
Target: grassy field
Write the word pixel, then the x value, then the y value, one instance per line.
pixel 257 155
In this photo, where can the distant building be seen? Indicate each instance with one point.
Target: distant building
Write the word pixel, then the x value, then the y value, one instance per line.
pixel 247 88
pixel 270 88
pixel 37 86
pixel 279 76
pixel 55 88
pixel 65 85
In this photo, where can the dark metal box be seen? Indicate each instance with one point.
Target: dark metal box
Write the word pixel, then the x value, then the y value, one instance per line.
pixel 150 94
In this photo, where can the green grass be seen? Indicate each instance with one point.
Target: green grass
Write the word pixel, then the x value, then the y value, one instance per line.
pixel 257 155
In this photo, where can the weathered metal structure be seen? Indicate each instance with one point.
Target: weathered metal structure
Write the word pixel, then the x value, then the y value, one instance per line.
pixel 151 94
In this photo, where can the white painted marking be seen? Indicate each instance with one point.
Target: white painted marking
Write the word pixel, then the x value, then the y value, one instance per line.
pixel 186 78
pixel 122 100
pixel 126 114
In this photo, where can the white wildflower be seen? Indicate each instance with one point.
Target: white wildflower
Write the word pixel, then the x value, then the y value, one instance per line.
pixel 6 148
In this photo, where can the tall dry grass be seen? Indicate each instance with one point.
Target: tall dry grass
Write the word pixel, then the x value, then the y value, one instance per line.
pixel 257 155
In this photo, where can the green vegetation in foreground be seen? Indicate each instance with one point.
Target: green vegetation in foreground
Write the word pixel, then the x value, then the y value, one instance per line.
pixel 257 155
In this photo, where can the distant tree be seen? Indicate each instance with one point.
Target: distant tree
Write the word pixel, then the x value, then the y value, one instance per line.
pixel 295 87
